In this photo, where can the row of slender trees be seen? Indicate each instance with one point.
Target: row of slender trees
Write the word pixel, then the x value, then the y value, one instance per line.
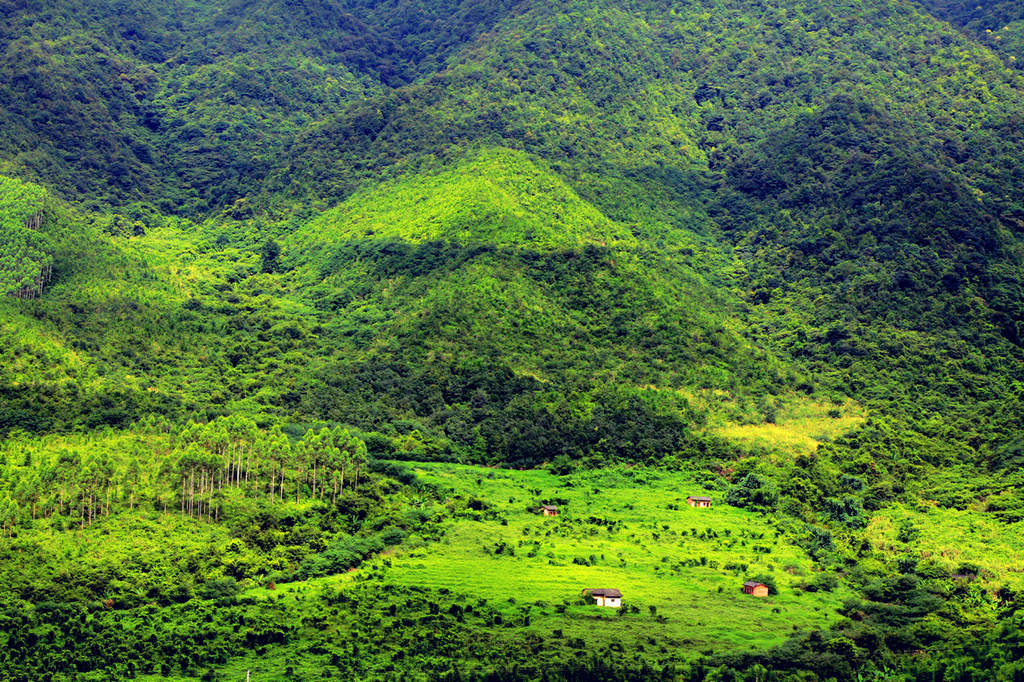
pixel 192 471
pixel 232 453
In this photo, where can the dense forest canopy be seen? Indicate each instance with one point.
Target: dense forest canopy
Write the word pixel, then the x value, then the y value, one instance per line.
pixel 306 307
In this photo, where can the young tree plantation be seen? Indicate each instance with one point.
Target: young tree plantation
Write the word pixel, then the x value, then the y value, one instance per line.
pixel 391 340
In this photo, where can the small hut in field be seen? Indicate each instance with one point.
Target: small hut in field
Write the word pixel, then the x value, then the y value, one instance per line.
pixel 604 597
pixel 755 589
pixel 700 502
pixel 549 510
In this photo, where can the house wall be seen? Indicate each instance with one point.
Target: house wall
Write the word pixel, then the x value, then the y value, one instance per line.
pixel 612 602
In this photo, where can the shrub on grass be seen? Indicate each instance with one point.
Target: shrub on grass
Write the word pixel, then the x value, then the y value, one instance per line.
pixel 754 493
pixel 221 588
pixel 907 532
pixel 824 582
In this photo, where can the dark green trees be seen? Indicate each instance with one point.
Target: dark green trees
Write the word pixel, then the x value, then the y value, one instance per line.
pixel 269 255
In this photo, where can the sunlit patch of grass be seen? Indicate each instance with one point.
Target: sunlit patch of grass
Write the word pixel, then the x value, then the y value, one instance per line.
pixel 799 426
pixel 629 529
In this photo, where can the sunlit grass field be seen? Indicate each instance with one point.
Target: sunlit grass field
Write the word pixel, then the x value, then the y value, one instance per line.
pixel 799 427
pixel 682 568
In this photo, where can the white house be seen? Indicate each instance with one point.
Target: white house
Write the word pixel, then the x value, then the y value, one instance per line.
pixel 605 597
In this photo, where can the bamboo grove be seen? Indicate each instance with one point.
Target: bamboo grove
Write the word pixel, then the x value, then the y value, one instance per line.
pixel 198 469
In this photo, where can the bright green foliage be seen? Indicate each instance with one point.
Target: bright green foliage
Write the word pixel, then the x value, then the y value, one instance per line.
pixel 25 251
pixel 477 572
pixel 626 529
pixel 202 471
pixel 63 495
pixel 496 197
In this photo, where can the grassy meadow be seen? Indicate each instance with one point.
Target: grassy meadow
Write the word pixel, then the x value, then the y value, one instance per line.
pixel 637 534
pixel 681 567
pixel 477 571
pixel 496 576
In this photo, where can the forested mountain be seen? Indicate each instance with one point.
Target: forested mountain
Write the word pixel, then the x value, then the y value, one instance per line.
pixel 187 105
pixel 254 251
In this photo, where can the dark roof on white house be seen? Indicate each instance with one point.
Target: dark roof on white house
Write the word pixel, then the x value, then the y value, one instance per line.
pixel 699 499
pixel 753 583
pixel 602 592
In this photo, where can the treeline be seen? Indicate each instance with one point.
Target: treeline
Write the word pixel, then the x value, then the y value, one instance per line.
pixel 191 471
pixel 232 452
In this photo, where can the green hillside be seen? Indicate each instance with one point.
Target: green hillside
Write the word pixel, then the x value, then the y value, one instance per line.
pixel 499 198
pixel 305 308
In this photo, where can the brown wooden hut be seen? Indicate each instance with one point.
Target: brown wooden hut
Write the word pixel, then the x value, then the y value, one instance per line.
pixel 755 589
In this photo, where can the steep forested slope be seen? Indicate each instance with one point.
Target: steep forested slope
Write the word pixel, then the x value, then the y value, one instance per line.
pixel 998 24
pixel 822 145
pixel 186 105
